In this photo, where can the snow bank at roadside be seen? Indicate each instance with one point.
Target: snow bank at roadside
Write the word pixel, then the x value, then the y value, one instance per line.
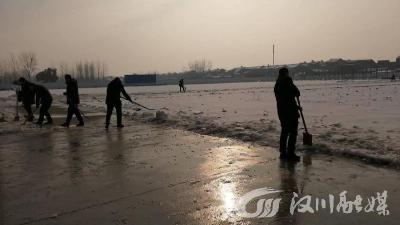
pixel 352 143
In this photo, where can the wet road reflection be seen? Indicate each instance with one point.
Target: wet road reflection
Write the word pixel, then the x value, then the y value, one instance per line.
pixel 228 198
pixel 148 175
pixel 2 191
pixel 288 185
pixel 74 156
pixel 225 162
pixel 233 161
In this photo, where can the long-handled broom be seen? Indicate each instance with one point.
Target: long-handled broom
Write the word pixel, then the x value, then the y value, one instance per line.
pixel 307 137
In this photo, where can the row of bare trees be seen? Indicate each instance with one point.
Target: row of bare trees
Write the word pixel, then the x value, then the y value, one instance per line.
pixel 200 66
pixel 84 70
pixel 25 64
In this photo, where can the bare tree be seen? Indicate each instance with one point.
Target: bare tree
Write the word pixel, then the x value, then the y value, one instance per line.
pixel 86 70
pixel 98 69
pixel 72 70
pixel 6 73
pixel 200 66
pixel 2 71
pixel 28 62
pixel 92 70
pixel 79 70
pixel 103 69
pixel 14 66
pixel 63 68
pixel 208 65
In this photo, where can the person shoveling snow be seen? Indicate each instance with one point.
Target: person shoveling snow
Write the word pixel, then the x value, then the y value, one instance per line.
pixel 114 90
pixel 288 112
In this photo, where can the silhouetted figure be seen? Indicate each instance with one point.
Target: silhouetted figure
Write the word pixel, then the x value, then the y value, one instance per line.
pixel 44 100
pixel 72 94
pixel 27 96
pixel 286 93
pixel 393 78
pixel 182 85
pixel 114 90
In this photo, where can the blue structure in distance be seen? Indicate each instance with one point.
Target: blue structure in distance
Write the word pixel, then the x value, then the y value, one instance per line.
pixel 135 79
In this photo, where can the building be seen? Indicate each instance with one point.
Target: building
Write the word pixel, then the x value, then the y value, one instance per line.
pixel 136 79
pixel 383 63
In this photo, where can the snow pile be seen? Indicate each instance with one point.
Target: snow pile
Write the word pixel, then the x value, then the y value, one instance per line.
pixel 147 115
pixel 161 116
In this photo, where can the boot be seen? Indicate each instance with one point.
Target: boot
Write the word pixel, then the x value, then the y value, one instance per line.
pixel 39 123
pixel 49 122
pixel 65 125
pixel 293 157
pixel 30 118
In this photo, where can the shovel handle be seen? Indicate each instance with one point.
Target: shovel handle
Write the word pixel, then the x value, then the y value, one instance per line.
pixel 137 104
pixel 301 113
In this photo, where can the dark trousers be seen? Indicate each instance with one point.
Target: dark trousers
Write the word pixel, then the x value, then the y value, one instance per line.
pixel 44 111
pixel 28 109
pixel 73 109
pixel 182 88
pixel 288 135
pixel 118 108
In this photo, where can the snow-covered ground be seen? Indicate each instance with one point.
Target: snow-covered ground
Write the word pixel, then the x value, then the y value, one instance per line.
pixel 358 118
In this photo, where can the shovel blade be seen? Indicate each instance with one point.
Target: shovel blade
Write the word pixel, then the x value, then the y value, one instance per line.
pixel 307 139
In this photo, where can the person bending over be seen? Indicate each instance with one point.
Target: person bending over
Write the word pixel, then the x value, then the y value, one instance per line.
pixel 44 100
pixel 27 96
pixel 114 90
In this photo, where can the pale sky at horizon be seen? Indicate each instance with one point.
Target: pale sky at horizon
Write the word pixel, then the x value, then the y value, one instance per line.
pixel 164 35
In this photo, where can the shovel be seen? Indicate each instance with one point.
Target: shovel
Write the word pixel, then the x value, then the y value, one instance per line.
pixel 137 104
pixel 307 137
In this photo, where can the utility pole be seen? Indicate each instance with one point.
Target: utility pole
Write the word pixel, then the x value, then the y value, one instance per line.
pixel 273 55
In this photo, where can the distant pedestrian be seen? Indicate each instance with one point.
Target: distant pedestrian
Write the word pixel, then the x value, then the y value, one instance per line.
pixel 393 78
pixel 44 100
pixel 182 87
pixel 72 94
pixel 114 90
pixel 27 96
pixel 288 113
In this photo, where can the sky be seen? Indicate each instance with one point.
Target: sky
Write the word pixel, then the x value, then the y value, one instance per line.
pixel 141 36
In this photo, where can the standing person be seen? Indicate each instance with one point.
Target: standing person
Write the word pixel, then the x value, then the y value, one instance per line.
pixel 27 96
pixel 288 113
pixel 72 94
pixel 44 100
pixel 114 90
pixel 182 85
